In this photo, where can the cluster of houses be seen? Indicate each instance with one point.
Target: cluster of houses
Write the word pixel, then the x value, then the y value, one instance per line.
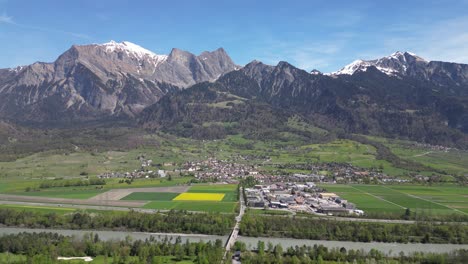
pixel 305 197
pixel 340 172
pixel 144 171
pixel 136 174
pixel 430 147
pixel 215 170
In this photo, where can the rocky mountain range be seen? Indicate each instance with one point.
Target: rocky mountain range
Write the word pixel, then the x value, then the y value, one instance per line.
pixel 98 81
pixel 209 96
pixel 453 76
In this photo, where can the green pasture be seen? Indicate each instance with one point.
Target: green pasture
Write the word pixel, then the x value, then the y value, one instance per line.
pixel 64 192
pixel 39 209
pixel 150 196
pixel 84 192
pixel 452 161
pixel 431 200
pixel 222 207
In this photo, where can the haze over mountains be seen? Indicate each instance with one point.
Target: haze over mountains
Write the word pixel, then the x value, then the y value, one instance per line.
pixel 401 95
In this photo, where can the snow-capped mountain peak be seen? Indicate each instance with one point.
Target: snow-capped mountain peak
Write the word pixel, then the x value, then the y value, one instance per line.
pixel 353 67
pixel 134 50
pixel 315 72
pixel 396 63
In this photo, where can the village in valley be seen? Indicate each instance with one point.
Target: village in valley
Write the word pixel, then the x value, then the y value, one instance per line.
pixel 293 192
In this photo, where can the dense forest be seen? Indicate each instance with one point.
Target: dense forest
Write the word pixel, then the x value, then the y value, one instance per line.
pixel 171 222
pixel 266 254
pixel 46 247
pixel 309 228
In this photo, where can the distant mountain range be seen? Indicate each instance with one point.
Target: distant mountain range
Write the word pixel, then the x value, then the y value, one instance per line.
pixel 209 96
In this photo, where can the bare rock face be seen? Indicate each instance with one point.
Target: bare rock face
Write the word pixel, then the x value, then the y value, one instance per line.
pixel 184 69
pixel 98 81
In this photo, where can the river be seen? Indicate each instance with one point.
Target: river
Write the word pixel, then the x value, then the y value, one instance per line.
pixel 116 235
pixel 391 249
pixel 388 248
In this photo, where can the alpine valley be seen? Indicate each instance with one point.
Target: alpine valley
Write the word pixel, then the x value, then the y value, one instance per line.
pixel 208 96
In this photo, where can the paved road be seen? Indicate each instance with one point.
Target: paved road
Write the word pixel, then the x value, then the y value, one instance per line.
pixel 235 232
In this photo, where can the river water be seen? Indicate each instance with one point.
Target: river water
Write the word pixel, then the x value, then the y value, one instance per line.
pixel 392 249
pixel 388 248
pixel 117 235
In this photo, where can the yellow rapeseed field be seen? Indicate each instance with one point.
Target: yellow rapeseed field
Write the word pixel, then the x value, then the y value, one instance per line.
pixel 199 197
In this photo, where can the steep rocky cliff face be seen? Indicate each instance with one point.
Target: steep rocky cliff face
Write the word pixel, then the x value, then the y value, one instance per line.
pixel 98 81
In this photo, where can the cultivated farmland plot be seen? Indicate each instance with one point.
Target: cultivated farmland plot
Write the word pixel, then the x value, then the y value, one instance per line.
pixel 211 198
pixel 394 199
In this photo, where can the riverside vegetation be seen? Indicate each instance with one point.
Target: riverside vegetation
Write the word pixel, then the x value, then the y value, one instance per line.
pixel 317 229
pixel 46 247
pixel 170 222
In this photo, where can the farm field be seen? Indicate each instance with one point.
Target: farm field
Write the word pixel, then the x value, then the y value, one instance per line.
pixel 150 196
pixel 221 207
pixel 199 197
pixel 452 160
pixel 66 193
pixel 229 190
pixel 394 199
pixel 85 192
pixel 210 198
pixel 54 209
pixel 40 209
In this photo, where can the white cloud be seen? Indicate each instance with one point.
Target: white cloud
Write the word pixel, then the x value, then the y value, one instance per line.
pixel 444 40
pixel 309 53
pixel 4 18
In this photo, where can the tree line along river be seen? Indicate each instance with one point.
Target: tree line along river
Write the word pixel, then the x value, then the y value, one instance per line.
pixel 392 249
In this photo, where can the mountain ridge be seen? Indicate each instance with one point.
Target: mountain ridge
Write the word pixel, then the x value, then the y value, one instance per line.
pixel 401 95
pixel 95 81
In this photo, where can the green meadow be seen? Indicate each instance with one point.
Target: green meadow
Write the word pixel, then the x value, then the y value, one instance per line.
pixel 150 196
pixel 221 207
pixel 394 199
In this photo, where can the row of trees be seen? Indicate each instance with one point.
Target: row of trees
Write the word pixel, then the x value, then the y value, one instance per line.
pixel 69 183
pixel 46 247
pixel 173 221
pixel 311 228
pixel 266 254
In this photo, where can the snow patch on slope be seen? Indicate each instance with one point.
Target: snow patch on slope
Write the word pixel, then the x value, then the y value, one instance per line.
pixel 134 50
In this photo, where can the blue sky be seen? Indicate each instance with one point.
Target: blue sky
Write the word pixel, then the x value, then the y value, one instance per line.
pixel 324 35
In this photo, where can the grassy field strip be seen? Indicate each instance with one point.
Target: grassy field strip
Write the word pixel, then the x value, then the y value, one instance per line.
pixel 45 209
pixel 414 196
pixel 69 193
pixel 151 196
pixel 380 198
pixel 206 206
